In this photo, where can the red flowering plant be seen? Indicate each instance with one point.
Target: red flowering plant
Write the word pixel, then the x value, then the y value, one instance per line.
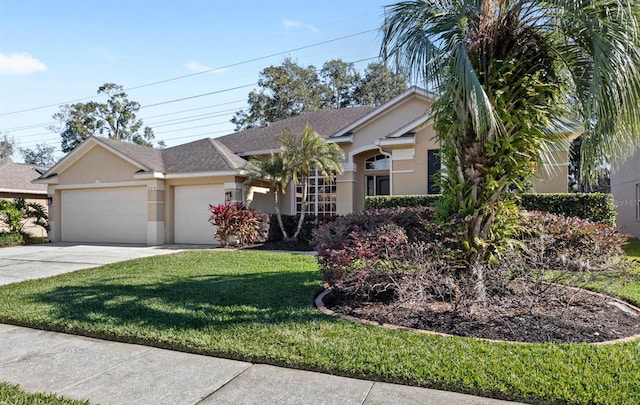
pixel 234 220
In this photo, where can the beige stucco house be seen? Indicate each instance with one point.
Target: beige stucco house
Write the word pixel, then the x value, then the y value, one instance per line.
pixel 16 182
pixel 625 187
pixel 115 192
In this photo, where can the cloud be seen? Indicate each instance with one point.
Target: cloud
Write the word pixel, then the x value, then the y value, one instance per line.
pixel 197 67
pixel 20 64
pixel 288 24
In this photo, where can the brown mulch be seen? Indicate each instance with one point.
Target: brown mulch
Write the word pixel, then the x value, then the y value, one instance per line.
pixel 561 315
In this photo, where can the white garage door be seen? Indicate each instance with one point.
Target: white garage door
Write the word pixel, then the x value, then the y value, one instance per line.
pixel 191 213
pixel 116 215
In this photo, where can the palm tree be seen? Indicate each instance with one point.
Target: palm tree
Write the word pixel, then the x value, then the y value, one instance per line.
pixel 506 73
pixel 303 154
pixel 272 171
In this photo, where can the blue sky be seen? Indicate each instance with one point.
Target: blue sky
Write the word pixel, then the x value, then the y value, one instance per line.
pixel 53 52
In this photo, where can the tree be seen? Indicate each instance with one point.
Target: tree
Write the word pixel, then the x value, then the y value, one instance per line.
pixel 6 148
pixel 272 171
pixel 115 119
pixel 41 155
pixel 506 72
pixel 341 80
pixel 379 85
pixel 285 91
pixel 304 153
pixel 290 89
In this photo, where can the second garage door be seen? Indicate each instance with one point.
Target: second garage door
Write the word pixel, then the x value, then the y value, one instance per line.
pixel 191 213
pixel 117 215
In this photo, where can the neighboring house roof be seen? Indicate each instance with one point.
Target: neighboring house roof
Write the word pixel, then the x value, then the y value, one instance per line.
pixel 263 139
pixel 17 177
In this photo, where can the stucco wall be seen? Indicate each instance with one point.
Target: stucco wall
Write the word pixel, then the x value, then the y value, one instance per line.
pixel 624 181
pixel 97 166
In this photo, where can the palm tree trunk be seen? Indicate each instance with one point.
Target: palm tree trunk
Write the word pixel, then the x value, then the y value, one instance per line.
pixel 303 206
pixel 279 215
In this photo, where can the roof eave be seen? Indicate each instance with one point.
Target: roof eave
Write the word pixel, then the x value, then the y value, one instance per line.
pixel 413 90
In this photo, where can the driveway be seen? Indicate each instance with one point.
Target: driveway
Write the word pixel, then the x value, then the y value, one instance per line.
pixel 38 261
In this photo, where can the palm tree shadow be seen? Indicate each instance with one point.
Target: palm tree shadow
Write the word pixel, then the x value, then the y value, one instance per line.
pixel 211 301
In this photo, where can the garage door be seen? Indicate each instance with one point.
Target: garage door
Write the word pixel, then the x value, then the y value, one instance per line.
pixel 116 215
pixel 191 213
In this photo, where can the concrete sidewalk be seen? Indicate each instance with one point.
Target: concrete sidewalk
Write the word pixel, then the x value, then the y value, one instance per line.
pixel 107 372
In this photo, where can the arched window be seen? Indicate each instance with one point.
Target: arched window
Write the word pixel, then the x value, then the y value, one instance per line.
pixel 377 162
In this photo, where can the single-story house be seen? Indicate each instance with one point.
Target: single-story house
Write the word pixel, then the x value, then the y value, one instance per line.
pixel 110 191
pixel 16 182
pixel 625 187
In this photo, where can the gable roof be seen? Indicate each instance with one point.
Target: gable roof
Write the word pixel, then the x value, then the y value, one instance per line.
pixel 263 139
pixel 17 177
pixel 148 157
pixel 378 111
pixel 204 155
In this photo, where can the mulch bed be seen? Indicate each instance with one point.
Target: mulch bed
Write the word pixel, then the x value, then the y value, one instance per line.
pixel 561 315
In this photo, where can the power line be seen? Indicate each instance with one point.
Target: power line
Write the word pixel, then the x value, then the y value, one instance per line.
pixel 253 60
pixel 197 73
pixel 194 109
pixel 196 96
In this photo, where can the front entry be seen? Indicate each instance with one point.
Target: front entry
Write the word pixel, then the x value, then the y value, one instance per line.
pixel 378 185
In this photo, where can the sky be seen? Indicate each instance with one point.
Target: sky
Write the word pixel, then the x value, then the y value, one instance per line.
pixel 190 64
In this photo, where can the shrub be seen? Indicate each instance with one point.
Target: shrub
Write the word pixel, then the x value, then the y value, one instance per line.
pixel 234 220
pixel 394 201
pixel 17 213
pixel 556 242
pixel 597 207
pixel 11 239
pixel 357 244
pixel 290 222
pixel 404 254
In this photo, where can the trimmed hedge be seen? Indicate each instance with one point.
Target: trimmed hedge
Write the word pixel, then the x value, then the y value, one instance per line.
pixel 597 207
pixel 393 201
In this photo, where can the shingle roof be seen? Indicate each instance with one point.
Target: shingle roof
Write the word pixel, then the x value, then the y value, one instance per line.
pixel 146 156
pixel 203 155
pixel 224 153
pixel 18 176
pixel 325 122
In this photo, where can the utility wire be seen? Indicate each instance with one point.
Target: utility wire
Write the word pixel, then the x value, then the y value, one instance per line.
pixel 197 73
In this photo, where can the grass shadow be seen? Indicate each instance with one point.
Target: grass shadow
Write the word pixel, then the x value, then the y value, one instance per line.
pixel 195 302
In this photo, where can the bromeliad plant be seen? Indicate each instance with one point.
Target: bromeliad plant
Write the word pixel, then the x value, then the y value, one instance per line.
pixel 507 72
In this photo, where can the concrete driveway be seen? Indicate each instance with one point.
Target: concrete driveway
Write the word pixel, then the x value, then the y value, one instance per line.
pixel 21 263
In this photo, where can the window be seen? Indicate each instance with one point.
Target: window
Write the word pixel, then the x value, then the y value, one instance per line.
pixel 321 195
pixel 433 165
pixel 233 195
pixel 377 162
pixel 378 185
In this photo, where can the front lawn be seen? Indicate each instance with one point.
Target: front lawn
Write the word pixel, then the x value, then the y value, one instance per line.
pixel 257 306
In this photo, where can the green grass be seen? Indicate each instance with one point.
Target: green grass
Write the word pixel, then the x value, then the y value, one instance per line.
pixel 627 285
pixel 257 306
pixel 14 395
